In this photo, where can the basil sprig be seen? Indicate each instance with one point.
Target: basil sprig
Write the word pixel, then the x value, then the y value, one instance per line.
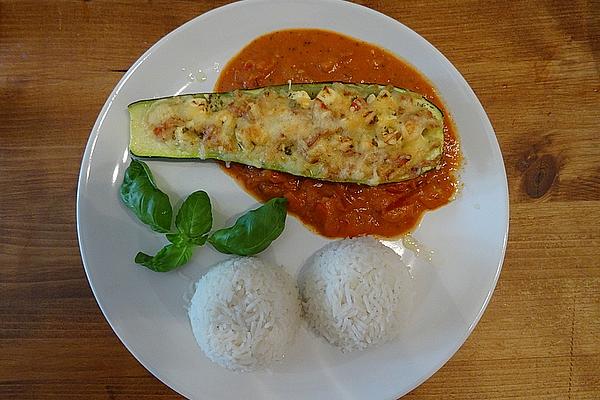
pixel 254 231
pixel 193 222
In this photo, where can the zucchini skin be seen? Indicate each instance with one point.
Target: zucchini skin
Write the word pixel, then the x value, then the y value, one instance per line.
pixel 292 116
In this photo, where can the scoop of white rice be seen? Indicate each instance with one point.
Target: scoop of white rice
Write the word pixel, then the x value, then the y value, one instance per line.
pixel 356 293
pixel 245 313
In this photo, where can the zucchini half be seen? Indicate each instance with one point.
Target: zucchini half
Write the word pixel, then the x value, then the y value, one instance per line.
pixel 361 133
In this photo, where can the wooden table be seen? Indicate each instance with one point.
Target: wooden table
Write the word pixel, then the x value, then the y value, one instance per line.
pixel 535 68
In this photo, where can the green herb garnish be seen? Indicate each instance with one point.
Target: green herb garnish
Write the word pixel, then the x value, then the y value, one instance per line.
pixel 252 232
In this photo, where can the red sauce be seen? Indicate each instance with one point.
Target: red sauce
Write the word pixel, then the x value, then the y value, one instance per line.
pixel 340 209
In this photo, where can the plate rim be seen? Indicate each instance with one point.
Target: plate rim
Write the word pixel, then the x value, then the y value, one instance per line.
pixel 94 134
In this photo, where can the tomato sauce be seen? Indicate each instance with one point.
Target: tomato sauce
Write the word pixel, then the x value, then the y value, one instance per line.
pixel 340 209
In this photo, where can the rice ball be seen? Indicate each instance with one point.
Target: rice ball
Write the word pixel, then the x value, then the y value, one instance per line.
pixel 356 293
pixel 245 313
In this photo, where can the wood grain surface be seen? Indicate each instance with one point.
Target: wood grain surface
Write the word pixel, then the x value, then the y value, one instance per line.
pixel 535 67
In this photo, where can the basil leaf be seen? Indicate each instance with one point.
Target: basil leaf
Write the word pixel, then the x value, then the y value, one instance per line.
pixel 194 218
pixel 168 258
pixel 140 194
pixel 254 231
pixel 181 239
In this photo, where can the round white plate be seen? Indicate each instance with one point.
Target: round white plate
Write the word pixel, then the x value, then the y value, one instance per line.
pixel 147 309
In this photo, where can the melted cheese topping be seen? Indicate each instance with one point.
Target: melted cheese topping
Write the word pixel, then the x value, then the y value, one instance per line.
pixel 337 135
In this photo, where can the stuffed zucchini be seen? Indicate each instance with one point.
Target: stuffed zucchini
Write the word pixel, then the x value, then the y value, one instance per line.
pixel 370 134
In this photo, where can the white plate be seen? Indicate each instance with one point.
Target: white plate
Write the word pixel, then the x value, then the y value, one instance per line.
pixel 146 309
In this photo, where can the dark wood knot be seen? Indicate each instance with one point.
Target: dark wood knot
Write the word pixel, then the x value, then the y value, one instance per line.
pixel 540 175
